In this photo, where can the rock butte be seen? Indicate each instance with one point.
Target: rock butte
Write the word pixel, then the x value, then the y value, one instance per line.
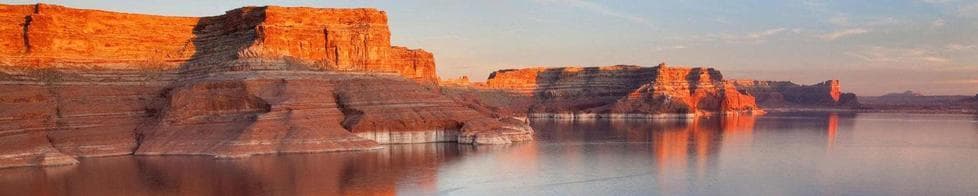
pixel 621 91
pixel 628 91
pixel 783 94
pixel 256 80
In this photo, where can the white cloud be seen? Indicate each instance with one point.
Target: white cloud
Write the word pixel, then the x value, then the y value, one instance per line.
pixel 843 33
pixel 938 23
pixel 735 38
pixel 722 20
pixel 601 9
pixel 883 21
pixel 959 47
pixel 896 56
pixel 676 47
pixel 766 33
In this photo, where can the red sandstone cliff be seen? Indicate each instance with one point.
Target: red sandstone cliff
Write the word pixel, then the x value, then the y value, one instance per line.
pixel 612 91
pixel 82 83
pixel 780 94
pixel 331 39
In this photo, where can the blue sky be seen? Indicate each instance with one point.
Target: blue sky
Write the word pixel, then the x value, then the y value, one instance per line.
pixel 873 46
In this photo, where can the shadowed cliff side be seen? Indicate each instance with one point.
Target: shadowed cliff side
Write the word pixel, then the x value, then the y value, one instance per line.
pixel 784 94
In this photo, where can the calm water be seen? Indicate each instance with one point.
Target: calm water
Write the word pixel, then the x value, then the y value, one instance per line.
pixel 775 154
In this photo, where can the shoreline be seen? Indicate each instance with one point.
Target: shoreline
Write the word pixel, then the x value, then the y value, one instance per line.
pixel 623 116
pixel 874 110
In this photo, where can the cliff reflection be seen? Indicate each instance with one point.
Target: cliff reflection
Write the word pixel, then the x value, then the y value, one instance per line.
pixel 831 130
pixel 680 149
pixel 673 156
pixel 380 172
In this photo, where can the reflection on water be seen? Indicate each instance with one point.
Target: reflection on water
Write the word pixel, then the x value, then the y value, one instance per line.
pixel 375 173
pixel 777 154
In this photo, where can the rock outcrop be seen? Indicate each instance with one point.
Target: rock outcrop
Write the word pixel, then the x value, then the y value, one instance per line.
pixel 462 81
pixel 256 80
pixel 329 39
pixel 621 91
pixel 784 94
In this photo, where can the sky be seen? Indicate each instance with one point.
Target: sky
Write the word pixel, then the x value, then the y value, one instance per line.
pixel 873 46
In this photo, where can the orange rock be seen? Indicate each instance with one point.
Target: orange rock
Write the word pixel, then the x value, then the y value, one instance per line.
pixel 775 94
pixel 256 80
pixel 621 91
pixel 332 39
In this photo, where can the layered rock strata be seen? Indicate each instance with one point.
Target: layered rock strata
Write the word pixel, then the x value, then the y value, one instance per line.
pixel 779 94
pixel 621 91
pixel 327 39
pixel 256 80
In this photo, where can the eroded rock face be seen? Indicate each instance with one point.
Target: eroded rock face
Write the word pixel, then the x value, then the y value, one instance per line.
pixel 58 110
pixel 329 39
pixel 236 115
pixel 23 138
pixel 776 94
pixel 419 114
pixel 615 91
pixel 256 80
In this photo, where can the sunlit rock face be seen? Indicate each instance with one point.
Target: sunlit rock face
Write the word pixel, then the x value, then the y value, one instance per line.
pixel 787 94
pixel 621 91
pixel 330 39
pixel 256 80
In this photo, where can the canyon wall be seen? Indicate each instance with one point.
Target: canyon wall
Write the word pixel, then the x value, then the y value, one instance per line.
pixel 612 91
pixel 784 94
pixel 256 80
pixel 329 39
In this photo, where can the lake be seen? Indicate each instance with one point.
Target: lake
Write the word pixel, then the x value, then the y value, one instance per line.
pixel 773 154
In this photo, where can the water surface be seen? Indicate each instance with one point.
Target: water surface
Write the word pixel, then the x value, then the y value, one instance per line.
pixel 775 154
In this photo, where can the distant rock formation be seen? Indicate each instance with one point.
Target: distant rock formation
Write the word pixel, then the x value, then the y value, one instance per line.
pixel 909 101
pixel 460 81
pixel 782 94
pixel 972 102
pixel 256 80
pixel 622 91
pixel 903 94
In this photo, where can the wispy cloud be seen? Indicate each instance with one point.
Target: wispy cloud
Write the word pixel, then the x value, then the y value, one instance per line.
pixel 844 20
pixel 601 9
pixel 897 56
pixel 676 47
pixel 736 38
pixel 766 33
pixel 938 23
pixel 959 47
pixel 843 33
